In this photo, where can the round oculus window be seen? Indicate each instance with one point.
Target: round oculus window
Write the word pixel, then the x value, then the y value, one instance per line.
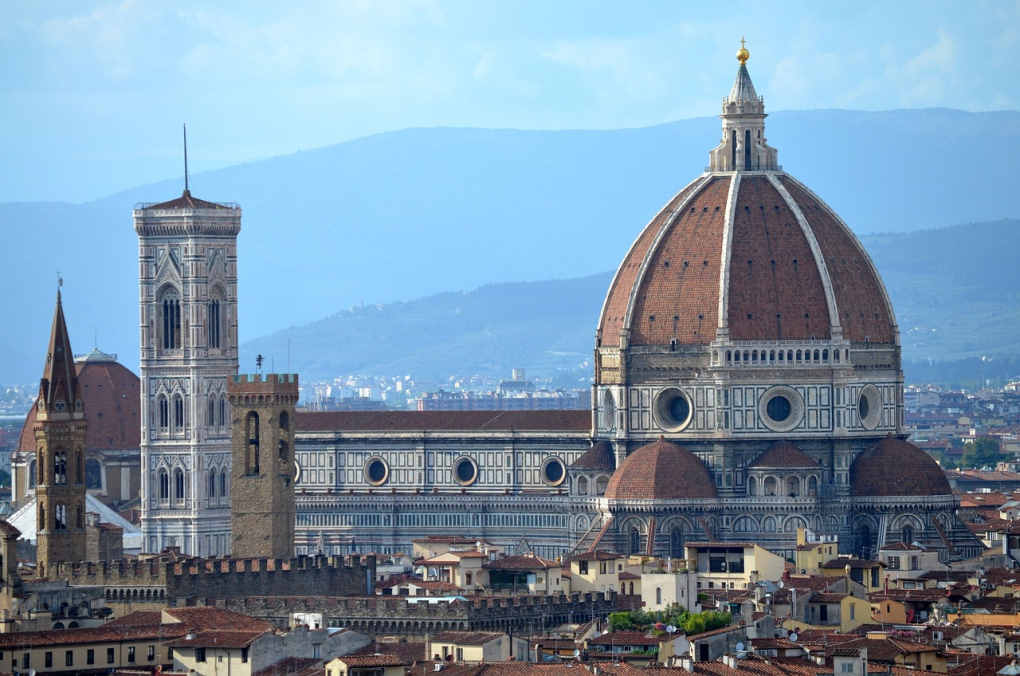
pixel 465 471
pixel 553 472
pixel 781 408
pixel 869 407
pixel 376 471
pixel 673 409
pixel 778 408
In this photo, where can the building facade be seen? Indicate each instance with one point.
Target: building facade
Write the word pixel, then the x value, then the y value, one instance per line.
pixel 747 384
pixel 187 279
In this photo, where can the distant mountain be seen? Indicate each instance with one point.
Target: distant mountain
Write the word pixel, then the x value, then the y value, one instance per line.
pixel 407 214
pixel 956 292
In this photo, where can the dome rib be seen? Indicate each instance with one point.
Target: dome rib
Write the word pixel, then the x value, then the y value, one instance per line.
pixel 823 269
pixel 677 278
pixel 661 471
pixel 617 301
pixel 723 318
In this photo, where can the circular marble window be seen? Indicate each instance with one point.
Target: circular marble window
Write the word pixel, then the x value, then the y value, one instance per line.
pixel 554 472
pixel 869 407
pixel 673 409
pixel 465 471
pixel 376 471
pixel 781 408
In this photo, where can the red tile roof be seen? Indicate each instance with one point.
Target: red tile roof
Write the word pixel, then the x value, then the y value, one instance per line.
pixel 466 637
pixel 377 660
pixel 896 467
pixel 186 201
pixel 218 639
pixel 784 454
pixel 520 562
pixel 361 421
pixel 661 470
pixel 598 457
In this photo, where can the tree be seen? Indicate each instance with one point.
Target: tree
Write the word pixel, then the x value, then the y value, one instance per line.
pixel 983 451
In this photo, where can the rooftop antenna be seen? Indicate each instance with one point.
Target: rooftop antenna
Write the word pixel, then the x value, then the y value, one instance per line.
pixel 185 158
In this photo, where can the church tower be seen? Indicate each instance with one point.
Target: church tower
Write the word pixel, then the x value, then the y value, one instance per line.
pixel 743 146
pixel 60 448
pixel 262 499
pixel 187 284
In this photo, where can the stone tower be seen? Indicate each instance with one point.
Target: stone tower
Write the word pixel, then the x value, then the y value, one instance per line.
pixel 187 284
pixel 60 448
pixel 262 499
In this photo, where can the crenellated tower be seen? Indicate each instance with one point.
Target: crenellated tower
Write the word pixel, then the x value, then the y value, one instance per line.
pixel 262 500
pixel 187 283
pixel 59 429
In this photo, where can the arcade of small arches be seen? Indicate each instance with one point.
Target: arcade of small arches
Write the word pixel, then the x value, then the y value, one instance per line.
pixel 170 337
pixel 135 594
pixel 173 486
pixel 768 483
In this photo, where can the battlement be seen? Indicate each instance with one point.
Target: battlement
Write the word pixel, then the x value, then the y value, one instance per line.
pixel 227 578
pixel 247 384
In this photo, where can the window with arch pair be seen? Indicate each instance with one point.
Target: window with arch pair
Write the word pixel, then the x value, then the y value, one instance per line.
pixel 216 484
pixel 216 411
pixel 170 320
pixel 165 407
pixel 179 486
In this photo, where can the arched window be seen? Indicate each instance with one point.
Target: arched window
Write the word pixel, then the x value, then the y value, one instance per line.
pixel 164 486
pixel 60 517
pixel 178 414
pixel 908 534
pixel 252 435
pixel 768 524
pixel 812 486
pixel 42 517
pixel 733 149
pixel 793 487
pixel 747 149
pixel 210 412
pixel 223 411
pixel 752 486
pixel 32 473
pixel 171 320
pixel 676 542
pixel 770 486
pixel 284 420
pixel 600 485
pixel 60 468
pixel 179 486
pixel 223 484
pixel 164 413
pixel 213 329
pixel 582 486
pixel 211 490
pixel 635 541
pixel 78 469
pixel 284 450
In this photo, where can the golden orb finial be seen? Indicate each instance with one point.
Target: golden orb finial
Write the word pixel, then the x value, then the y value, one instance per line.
pixel 742 54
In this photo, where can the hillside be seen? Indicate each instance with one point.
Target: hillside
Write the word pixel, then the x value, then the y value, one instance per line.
pixel 408 214
pixel 956 291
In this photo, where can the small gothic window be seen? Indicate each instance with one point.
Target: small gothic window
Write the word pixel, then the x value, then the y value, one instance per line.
pixel 747 149
pixel 252 435
pixel 78 518
pixel 171 321
pixel 60 468
pixel 223 411
pixel 164 413
pixel 42 517
pixel 60 517
pixel 210 412
pixel 284 450
pixel 32 473
pixel 78 467
pixel 213 330
pixel 164 485
pixel 212 484
pixel 284 420
pixel 178 414
pixel 179 486
pixel 223 484
pixel 635 541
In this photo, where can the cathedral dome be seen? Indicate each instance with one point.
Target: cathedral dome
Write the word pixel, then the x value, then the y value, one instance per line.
pixel 896 467
pixel 784 454
pixel 745 252
pixel 111 397
pixel 661 471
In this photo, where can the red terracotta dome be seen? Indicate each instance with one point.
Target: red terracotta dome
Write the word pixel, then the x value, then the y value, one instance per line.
pixel 896 467
pixel 111 395
pixel 756 254
pixel 784 454
pixel 661 471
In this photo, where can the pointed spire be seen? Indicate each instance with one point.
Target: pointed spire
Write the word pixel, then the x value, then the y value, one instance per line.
pixel 743 88
pixel 58 388
pixel 743 146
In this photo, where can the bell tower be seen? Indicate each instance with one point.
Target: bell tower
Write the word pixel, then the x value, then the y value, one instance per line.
pixel 60 449
pixel 262 444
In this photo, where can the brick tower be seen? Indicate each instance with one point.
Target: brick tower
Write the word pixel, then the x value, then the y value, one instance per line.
pixel 262 474
pixel 60 448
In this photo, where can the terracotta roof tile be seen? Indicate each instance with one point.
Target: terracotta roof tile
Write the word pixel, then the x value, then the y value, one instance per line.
pixel 784 454
pixel 539 421
pixel 599 457
pixel 897 467
pixel 661 470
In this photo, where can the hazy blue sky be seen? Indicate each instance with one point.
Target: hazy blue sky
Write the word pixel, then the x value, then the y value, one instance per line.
pixel 92 94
